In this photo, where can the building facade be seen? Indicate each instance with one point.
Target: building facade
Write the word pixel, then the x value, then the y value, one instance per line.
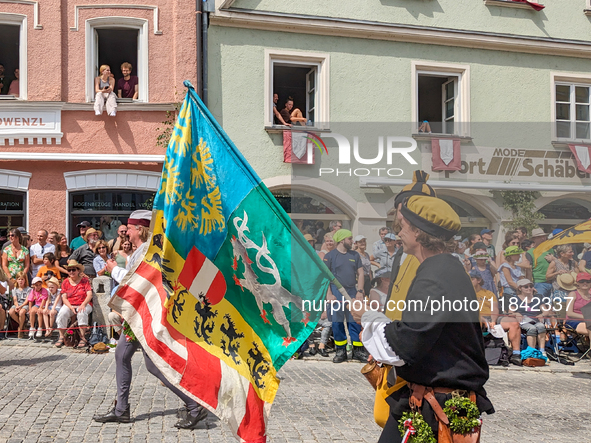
pixel 507 84
pixel 59 162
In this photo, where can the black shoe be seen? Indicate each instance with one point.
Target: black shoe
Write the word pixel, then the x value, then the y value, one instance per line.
pixel 190 422
pixel 340 356
pixel 359 353
pixel 111 416
pixel 516 359
pixel 323 352
pixel 312 351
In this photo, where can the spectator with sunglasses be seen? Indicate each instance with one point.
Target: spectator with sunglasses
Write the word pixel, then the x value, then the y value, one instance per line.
pixel 15 256
pixel 100 261
pixel 581 297
pixel 528 309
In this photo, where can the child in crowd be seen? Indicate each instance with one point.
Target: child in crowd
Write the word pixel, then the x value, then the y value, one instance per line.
pixel 20 294
pixel 49 264
pixel 52 305
pixel 36 299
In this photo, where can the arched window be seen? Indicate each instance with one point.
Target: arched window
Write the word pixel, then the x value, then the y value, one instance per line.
pixel 310 212
pixel 565 212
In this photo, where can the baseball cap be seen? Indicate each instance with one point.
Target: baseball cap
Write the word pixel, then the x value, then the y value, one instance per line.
pixel 22 230
pixel 390 236
pixel 486 231
pixel 523 282
pixel 36 279
pixel 359 237
pixel 583 276
pixel 84 224
pixel 475 273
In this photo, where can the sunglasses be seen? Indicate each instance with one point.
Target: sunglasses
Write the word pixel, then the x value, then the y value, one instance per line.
pixel 584 281
pixel 72 269
pixel 101 247
pixel 528 286
pixel 11 235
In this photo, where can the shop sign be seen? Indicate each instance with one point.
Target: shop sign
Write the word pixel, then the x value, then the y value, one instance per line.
pixel 502 164
pixel 25 124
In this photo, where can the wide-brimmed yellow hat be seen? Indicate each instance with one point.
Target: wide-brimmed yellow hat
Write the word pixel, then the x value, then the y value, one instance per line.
pixel 91 231
pixel 74 264
pixel 567 281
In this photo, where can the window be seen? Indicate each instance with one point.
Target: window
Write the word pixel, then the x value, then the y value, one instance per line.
pixel 13 56
pixel 441 97
pixel 113 41
pixel 12 209
pixel 572 111
pixel 304 78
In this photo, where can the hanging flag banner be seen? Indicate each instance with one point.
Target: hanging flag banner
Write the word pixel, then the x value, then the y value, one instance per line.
pixel 224 295
pixel 582 157
pixel 446 154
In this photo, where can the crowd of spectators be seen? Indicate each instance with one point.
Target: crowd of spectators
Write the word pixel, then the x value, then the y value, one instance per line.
pixel 48 283
pixel 523 295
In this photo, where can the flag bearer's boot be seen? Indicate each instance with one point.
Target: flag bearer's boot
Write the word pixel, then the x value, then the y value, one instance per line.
pixel 341 355
pixel 187 421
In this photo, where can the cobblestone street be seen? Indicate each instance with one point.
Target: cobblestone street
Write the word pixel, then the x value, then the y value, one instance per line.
pixel 50 395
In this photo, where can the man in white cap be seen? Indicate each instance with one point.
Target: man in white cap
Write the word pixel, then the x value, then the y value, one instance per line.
pixel 138 229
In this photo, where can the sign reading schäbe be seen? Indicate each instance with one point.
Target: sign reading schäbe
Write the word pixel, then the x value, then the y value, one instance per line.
pixel 514 165
pixel 29 123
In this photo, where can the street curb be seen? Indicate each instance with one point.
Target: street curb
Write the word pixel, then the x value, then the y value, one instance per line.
pixel 562 369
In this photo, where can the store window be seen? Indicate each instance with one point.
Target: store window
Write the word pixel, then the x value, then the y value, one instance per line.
pixel 106 210
pixel 311 213
pixel 13 56
pixel 12 209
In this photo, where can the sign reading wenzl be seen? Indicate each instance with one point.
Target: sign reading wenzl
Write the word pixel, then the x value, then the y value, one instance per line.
pixel 516 164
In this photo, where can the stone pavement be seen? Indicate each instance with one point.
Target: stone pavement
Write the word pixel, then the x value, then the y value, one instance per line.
pixel 50 395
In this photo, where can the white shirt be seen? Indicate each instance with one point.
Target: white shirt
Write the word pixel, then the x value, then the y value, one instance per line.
pixel 374 338
pixel 38 251
pixel 119 273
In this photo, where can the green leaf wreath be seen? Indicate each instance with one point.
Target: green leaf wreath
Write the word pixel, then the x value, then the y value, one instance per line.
pixel 422 431
pixel 129 335
pixel 463 415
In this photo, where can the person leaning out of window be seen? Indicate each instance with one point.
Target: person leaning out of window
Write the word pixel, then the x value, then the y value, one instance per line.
pixel 127 86
pixel 104 85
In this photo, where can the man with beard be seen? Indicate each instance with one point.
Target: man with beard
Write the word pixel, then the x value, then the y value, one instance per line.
pixel 347 267
pixel 85 254
pixel 138 228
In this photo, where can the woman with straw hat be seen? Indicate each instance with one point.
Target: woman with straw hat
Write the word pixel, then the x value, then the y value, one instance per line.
pixel 564 264
pixel 510 273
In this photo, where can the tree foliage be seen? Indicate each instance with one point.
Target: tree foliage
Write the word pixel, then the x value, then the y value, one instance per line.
pixel 521 204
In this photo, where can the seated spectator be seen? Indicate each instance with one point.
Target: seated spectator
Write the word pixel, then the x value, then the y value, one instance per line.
pixel 277 117
pixel 425 127
pixel 564 264
pixel 327 246
pixel 4 81
pixel 104 86
pixel 489 315
pixel 482 262
pixel 14 88
pixel 379 287
pixel 79 241
pixel 124 253
pixel 291 115
pixel 115 243
pixel 510 273
pixel 62 253
pixel 326 329
pixel 100 261
pixel 585 258
pixel 309 239
pixel 472 240
pixel 511 239
pixel 49 269
pixel 77 301
pixel 581 297
pixel 36 299
pixel 53 239
pixel 20 305
pixel 360 245
pixel 127 86
pixel 528 309
pixel 85 254
pixel 4 299
pixel 52 305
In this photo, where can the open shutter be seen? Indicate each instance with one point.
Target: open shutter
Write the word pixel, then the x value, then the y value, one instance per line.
pixel 449 92
pixel 311 88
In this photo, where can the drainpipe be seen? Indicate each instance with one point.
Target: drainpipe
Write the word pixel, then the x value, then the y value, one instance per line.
pixel 208 6
pixel 198 14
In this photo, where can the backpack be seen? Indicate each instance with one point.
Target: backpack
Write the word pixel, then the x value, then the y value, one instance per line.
pixel 97 336
pixel 495 351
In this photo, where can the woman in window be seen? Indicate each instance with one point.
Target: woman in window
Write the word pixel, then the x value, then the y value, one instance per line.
pixel 14 88
pixel 104 85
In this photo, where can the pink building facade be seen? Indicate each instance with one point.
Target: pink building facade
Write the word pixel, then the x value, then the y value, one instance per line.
pixel 59 162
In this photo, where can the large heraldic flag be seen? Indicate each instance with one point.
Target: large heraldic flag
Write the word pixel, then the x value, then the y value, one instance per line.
pixel 224 294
